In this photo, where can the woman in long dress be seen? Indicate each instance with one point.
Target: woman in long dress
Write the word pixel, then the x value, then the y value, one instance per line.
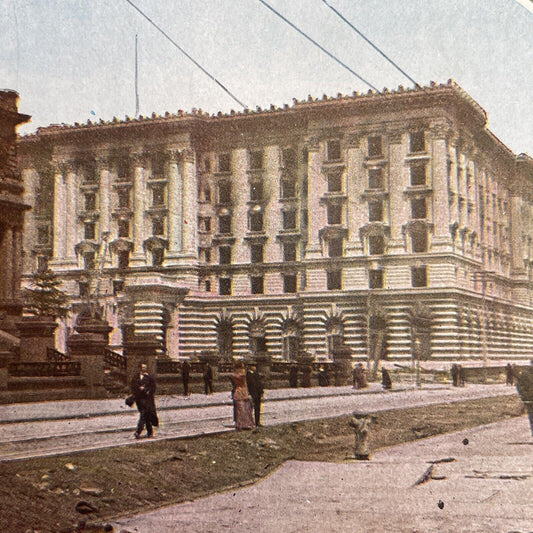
pixel 242 407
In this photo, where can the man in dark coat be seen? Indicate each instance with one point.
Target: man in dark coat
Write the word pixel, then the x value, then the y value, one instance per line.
pixel 143 390
pixel 254 383
pixel 293 376
pixel 185 377
pixel 208 379
pixel 386 380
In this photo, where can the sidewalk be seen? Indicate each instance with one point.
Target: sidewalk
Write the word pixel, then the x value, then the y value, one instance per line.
pixel 485 485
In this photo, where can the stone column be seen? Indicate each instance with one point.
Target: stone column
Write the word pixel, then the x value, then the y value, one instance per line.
pixel 175 207
pixel 59 223
pixel 190 202
pixel 441 216
pixel 357 214
pixel 36 335
pixel 398 182
pixel 317 184
pixel 71 222
pixel 139 194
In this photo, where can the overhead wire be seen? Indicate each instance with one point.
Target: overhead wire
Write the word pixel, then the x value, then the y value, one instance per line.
pixel 342 17
pixel 329 54
pixel 188 56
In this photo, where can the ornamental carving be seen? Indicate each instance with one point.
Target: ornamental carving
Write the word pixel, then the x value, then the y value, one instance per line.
pixel 187 155
pixel 353 140
pixel 138 159
pixel 440 130
pixel 312 143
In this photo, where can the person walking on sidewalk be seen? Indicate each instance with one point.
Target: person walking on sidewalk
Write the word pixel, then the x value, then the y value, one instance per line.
pixel 242 407
pixel 208 378
pixel 143 390
pixel 185 377
pixel 386 380
pixel 254 382
pixel 293 376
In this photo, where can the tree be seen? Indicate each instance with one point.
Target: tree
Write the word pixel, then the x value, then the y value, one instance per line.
pixel 44 298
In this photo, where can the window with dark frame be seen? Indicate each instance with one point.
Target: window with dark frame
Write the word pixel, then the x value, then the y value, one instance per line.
pixel 257 284
pixel 256 253
pixel 289 251
pixel 256 159
pixel 123 194
pixel 334 182
pixel 376 245
pixel 334 280
pixel 375 279
pixel 419 240
pixel 288 188
pixel 89 230
pixel 224 224
pixel 90 202
pixel 256 221
pixel 89 260
pixel 224 192
pixel 417 141
pixel 289 283
pixel 158 194
pixel 224 163
pixel 375 211
pixel 124 259
pixel 289 219
pixel 224 286
pixel 224 255
pixel 375 178
pixel 334 150
pixel 158 255
pixel 375 146
pixel 419 277
pixel 158 226
pixel 207 285
pixel 418 208
pixel 335 247
pixel 256 191
pixel 289 158
pixel 334 213
pixel 123 229
pixel 418 174
pixel 118 286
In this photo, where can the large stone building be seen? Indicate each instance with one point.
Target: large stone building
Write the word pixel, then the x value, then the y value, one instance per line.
pixel 12 210
pixel 369 219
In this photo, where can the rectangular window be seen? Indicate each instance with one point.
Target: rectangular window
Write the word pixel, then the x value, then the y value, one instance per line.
pixel 224 224
pixel 123 168
pixel 224 286
pixel 124 259
pixel 335 182
pixel 89 260
pixel 158 226
pixel 289 283
pixel 224 255
pixel 419 276
pixel 418 208
pixel 118 286
pixel 375 211
pixel 417 141
pixel 123 229
pixel 375 178
pixel 418 174
pixel 256 221
pixel 89 230
pixel 83 289
pixel 256 191
pixel 43 235
pixel 256 253
pixel 257 284
pixel 288 188
pixel 419 241
pixel 334 150
pixel 334 214
pixel 376 245
pixel 224 192
pixel 90 202
pixel 335 247
pixel 158 255
pixel 224 163
pixel 289 219
pixel 289 158
pixel 158 194
pixel 289 251
pixel 375 146
pixel 375 279
pixel 207 285
pixel 334 280
pixel 123 198
pixel 256 159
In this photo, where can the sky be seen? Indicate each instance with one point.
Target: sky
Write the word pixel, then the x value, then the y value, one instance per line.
pixel 74 60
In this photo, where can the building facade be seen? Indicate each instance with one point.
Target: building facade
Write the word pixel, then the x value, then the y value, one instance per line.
pixel 368 221
pixel 12 210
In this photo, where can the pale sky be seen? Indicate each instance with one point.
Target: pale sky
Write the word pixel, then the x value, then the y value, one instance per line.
pixel 73 60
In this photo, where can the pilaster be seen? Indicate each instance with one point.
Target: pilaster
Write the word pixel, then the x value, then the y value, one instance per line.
pixel 60 222
pixel 139 193
pixel 317 189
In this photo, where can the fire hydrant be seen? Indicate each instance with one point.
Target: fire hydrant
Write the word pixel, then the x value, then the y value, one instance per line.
pixel 360 422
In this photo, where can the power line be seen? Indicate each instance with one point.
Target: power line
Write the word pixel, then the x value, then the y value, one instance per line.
pixel 329 54
pixel 371 43
pixel 227 91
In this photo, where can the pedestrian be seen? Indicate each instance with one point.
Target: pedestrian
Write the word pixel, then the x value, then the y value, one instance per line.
pixel 524 386
pixel 323 378
pixel 386 380
pixel 509 378
pixel 185 377
pixel 242 406
pixel 359 377
pixel 208 378
pixel 143 390
pixel 254 382
pixel 454 371
pixel 293 376
pixel 462 376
